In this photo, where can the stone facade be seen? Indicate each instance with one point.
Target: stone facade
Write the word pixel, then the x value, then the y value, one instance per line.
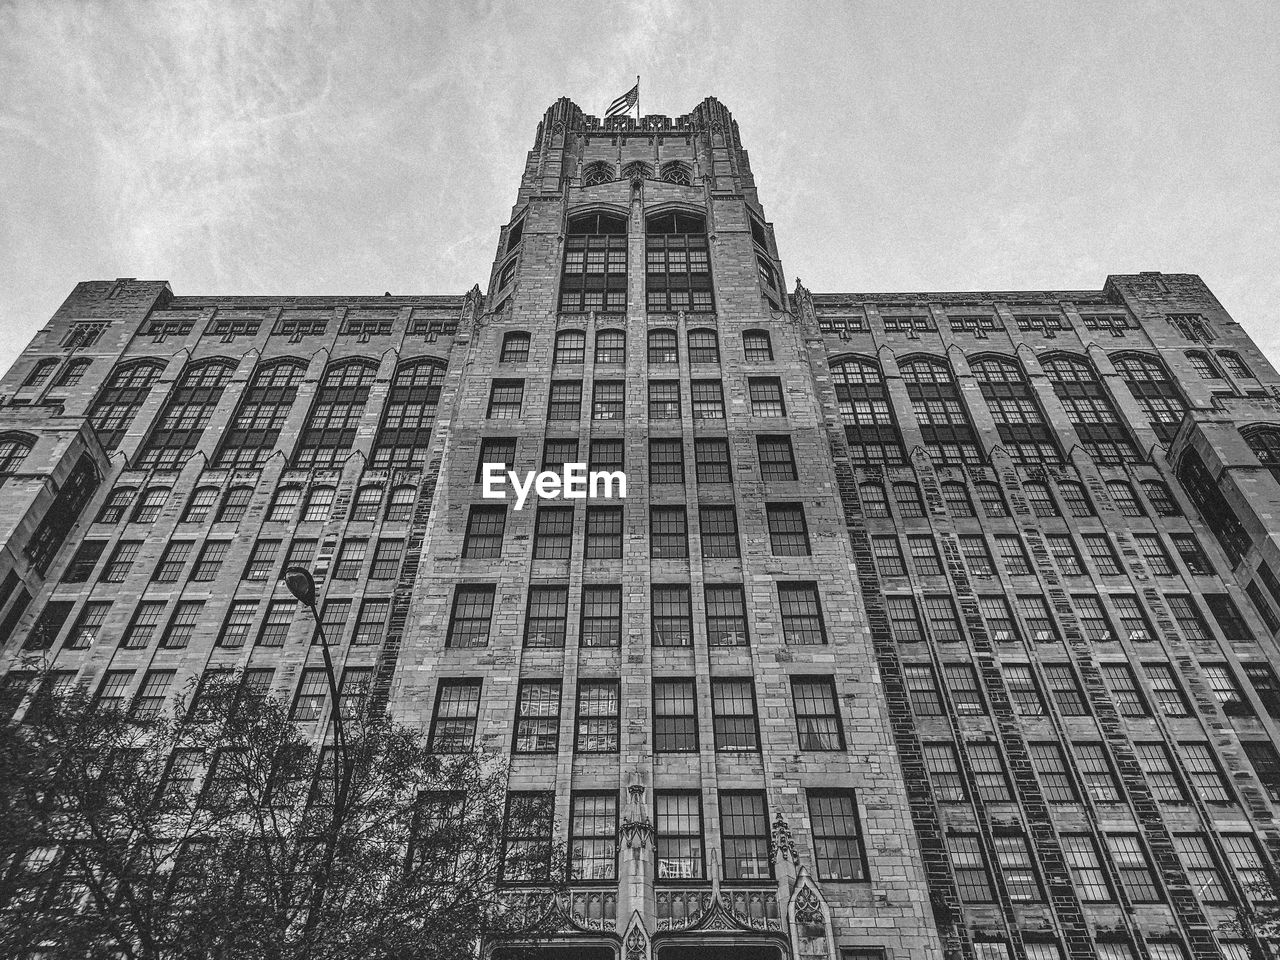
pixel 983 668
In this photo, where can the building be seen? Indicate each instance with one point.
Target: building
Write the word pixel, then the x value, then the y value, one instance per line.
pixel 931 624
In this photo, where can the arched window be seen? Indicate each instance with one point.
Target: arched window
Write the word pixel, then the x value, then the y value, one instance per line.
pixel 515 347
pixel 1150 385
pixel 1022 427
pixel 677 171
pixel 864 406
pixel 367 503
pixel 285 504
pixel 611 346
pixel 1202 365
pixel 756 346
pixel 404 438
pixel 1161 499
pixel 991 498
pixel 200 505
pixel 13 450
pixel 117 503
pixel 1265 444
pixel 957 498
pixel 330 431
pixel 1090 410
pixel 677 264
pixel 1076 498
pixel 637 170
pixel 400 504
pixel 263 411
pixel 663 346
pixel 1235 365
pixel 235 504
pixel 121 398
pixel 874 502
pixel 944 424
pixel 1124 498
pixel 41 372
pixel 571 347
pixel 594 276
pixel 1040 499
pixel 907 497
pixel 187 413
pixel 703 346
pixel 597 172
pixel 74 372
pixel 319 503
pixel 152 502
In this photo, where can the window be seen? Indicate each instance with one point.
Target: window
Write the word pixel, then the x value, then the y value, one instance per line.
pixel 1096 772
pixel 733 711
pixel 972 879
pixel 935 399
pixel 711 460
pixel 505 400
pixel 302 552
pixel 1065 691
pixel 756 346
pixel 264 410
pixel 777 462
pixel 1051 767
pixel 472 610
pixel 611 346
pixel 1156 394
pixel 991 498
pixel 453 725
pixel 1093 619
pixel 1099 549
pixel 1016 866
pixel 1124 498
pixel 663 346
pixel 565 400
pixel 1203 490
pixel 1157 768
pixel 989 775
pixel 963 684
pixel 174 558
pixel 333 620
pixel 1227 614
pixel 598 713
pixel 117 568
pixel 1152 550
pixel 113 510
pixel 84 561
pixel 553 533
pixel 718 530
pixel 593 831
pixel 1161 499
pixel 745 836
pixel 182 627
pixel 678 835
pixel 668 534
pixel 924 556
pixel 608 400
pixel 708 400
pixel 1188 548
pixel 85 632
pixel 1202 868
pixel 367 504
pixel 1165 690
pixel 282 509
pixel 1041 499
pixel 400 504
pixel 766 397
pixel 922 689
pixel 904 622
pixel 1087 876
pixel 676 171
pixel 944 772
pixel 1090 410
pixel 864 406
pixel 703 346
pixel 1266 764
pixel 319 503
pixel 1124 690
pixel 605 455
pixel 372 622
pixel 527 836
pixel 351 559
pixel 788 533
pixel 1063 550
pixel 537 716
pixel 275 627
pixel 801 613
pixel 664 400
pixel 817 714
pixel 888 556
pixel 142 628
pixel 119 401
pixel 940 611
pixel 1225 690
pixel 1023 692
pixel 1204 773
pixel 1039 621
pixel 594 275
pixel 1009 546
pixel 675 717
pixel 601 616
pixel 1202 365
pixel 875 504
pixel 677 267
pixel 235 629
pixel 40 372
pixel 957 499
pixel 604 533
pixel 1076 498
pixel 182 422
pixel 1131 863
pixel 546 617
pixel 666 461
pixel 152 502
pixel 1133 622
pixel 353 694
pixel 495 450
pixel 152 694
pixel 1266 685
pixel 672 619
pixel 485 528
pixel 1246 862
pixel 515 347
pixel 907 497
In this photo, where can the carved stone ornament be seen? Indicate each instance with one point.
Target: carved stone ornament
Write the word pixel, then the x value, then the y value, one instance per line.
pixel 781 843
pixel 808 908
pixel 636 943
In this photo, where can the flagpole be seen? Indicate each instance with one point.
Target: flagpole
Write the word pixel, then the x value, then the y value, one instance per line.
pixel 637 98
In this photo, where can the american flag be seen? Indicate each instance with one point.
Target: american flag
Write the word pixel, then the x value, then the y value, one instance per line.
pixel 625 102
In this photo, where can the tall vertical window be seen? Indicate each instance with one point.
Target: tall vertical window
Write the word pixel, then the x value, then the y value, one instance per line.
pixel 117 568
pixel 863 399
pixel 1019 421
pixel 766 397
pixel 85 632
pixel 404 436
pixel 678 835
pixel 1090 410
pixel 837 839
pixel 817 714
pixel 330 430
pixel 801 613
pixel 972 878
pixel 537 716
pixel 677 264
pixel 186 616
pixel 544 624
pixel 1017 868
pixel 672 619
pixel 1055 777
pixel 263 411
pixel 594 276
pixel 485 526
pixel 118 403
pixel 142 628
pixel 371 623
pixel 453 725
pixel 675 717
pixel 526 836
pixel 726 615
pixel 704 347
pixel 1087 875
pixel 744 835
pixel 601 616
pixel 564 402
pixel 190 407
pixel 553 533
pixel 1203 490
pixel 1150 385
pixel 666 460
pixel 611 346
pixel 515 347
pixel 668 532
pixel 944 424
pixel 711 460
pixel 599 709
pixel 788 532
pixel 472 611
pixel 1202 867
pixel 756 346
pixel 1096 772
pixel 733 710
pixel 944 771
pixel 570 348
pixel 593 831
pixel 664 346
pixel 608 400
pixel 1134 868
pixel 777 460
pixel 604 533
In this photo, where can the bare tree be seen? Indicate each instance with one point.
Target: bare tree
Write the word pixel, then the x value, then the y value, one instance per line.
pixel 217 831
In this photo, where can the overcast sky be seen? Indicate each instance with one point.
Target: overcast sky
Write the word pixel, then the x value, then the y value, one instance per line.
pixel 338 148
